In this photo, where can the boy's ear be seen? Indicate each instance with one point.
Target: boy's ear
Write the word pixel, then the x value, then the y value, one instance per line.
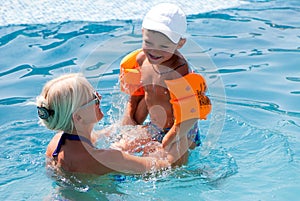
pixel 181 43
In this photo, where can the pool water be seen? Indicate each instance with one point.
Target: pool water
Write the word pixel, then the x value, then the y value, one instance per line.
pixel 249 52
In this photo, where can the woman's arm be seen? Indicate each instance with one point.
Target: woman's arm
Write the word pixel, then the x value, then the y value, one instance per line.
pixel 123 162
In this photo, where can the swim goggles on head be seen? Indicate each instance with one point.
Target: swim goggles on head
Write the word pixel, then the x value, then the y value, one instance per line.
pixel 44 113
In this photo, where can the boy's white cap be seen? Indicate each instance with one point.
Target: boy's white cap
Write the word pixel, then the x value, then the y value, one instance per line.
pixel 167 19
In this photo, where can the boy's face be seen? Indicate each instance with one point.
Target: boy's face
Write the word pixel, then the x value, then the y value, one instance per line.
pixel 157 47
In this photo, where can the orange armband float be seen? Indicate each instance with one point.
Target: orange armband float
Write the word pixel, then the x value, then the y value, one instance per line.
pixel 188 97
pixel 130 75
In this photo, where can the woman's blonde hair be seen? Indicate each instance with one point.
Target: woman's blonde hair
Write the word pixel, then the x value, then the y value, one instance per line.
pixel 64 95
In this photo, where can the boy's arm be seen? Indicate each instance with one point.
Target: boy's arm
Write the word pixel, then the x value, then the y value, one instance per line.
pixel 177 132
pixel 123 162
pixel 130 83
pixel 189 103
pixel 176 144
pixel 141 112
pixel 136 111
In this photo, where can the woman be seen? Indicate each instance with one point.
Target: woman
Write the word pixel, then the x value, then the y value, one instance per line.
pixel 70 105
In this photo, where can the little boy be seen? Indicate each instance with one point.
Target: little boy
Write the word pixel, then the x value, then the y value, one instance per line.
pixel 149 74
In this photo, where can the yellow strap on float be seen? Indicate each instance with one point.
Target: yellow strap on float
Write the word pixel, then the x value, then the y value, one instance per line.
pixel 188 97
pixel 130 75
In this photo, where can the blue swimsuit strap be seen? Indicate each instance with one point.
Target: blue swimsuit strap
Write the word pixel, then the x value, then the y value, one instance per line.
pixel 68 136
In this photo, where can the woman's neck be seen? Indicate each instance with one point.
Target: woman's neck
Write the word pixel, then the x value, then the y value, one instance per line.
pixel 86 132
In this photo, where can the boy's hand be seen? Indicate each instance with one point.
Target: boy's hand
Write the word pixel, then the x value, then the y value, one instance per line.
pixel 128 121
pixel 177 132
pixel 170 137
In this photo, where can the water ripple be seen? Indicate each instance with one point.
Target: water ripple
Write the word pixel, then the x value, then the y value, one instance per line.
pixel 228 17
pixel 10 37
pixel 284 50
pixel 33 70
pixel 214 15
pixel 224 71
pixel 293 79
pixel 13 100
pixel 238 70
pixel 270 107
pixel 23 154
pixel 259 144
pixel 84 30
pixel 56 32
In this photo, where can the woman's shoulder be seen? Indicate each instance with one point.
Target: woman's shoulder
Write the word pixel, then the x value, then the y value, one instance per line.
pixel 53 144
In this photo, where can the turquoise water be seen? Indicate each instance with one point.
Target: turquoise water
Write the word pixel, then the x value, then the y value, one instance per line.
pixel 249 54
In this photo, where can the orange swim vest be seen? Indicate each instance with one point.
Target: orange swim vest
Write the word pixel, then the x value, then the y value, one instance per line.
pixel 188 97
pixel 187 93
pixel 130 75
